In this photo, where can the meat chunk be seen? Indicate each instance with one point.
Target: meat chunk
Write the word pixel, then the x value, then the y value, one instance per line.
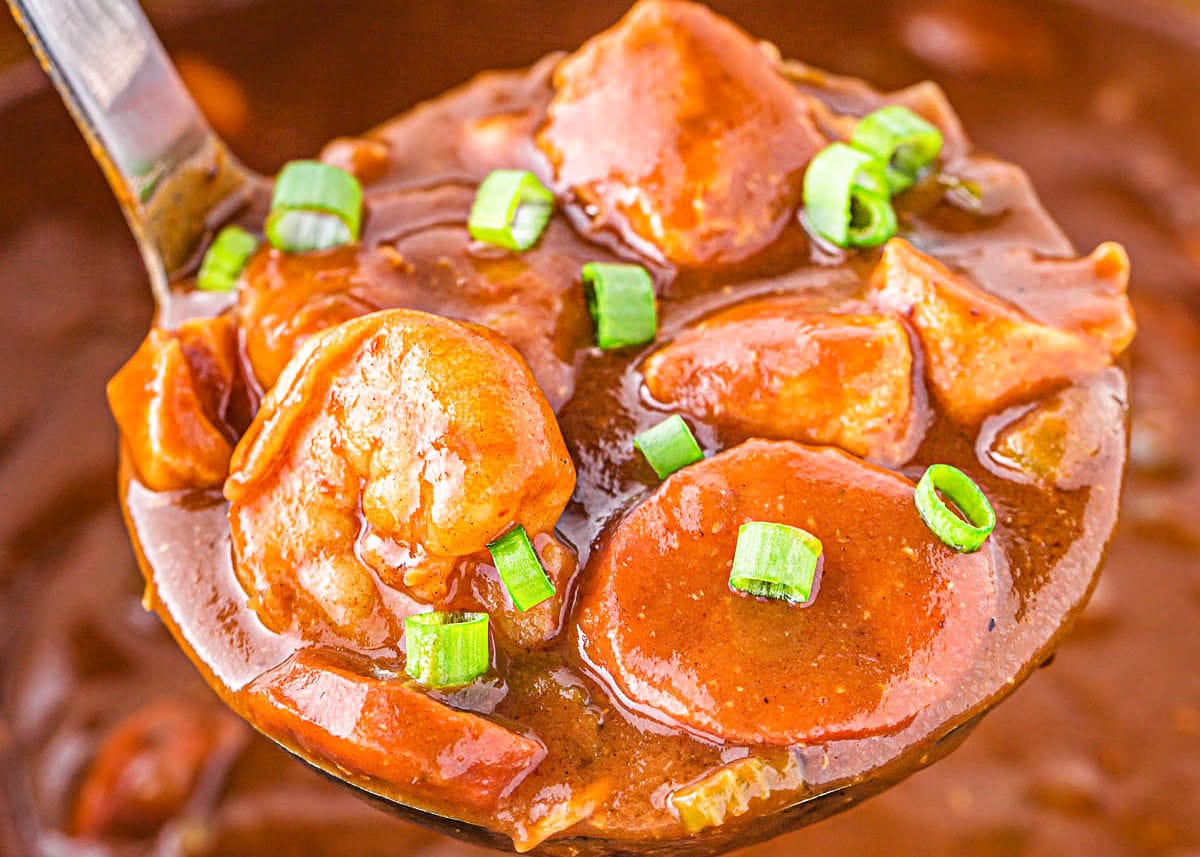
pixel 395 445
pixel 658 619
pixel 387 730
pixel 147 767
pixel 170 402
pixel 1086 294
pixel 981 353
pixel 680 130
pixel 364 158
pixel 779 368
pixel 534 301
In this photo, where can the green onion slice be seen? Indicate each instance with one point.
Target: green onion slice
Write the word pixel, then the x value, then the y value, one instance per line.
pixel 225 259
pixel 621 300
pixel 520 571
pixel 669 446
pixel 446 649
pixel 965 529
pixel 511 209
pixel 775 561
pixel 846 197
pixel 315 207
pixel 902 140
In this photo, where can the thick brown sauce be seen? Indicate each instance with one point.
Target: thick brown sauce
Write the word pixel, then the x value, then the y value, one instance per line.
pixel 1071 793
pixel 1043 573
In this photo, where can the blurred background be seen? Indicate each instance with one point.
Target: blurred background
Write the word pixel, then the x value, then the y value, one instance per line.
pixel 1099 754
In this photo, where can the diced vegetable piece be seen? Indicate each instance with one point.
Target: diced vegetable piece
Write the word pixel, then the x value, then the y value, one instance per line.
pixel 225 259
pixel 902 140
pixel 966 530
pixel 520 570
pixel 725 793
pixel 511 210
pixel 315 206
pixel 846 198
pixel 669 446
pixel 557 814
pixel 775 561
pixel 621 300
pixel 446 649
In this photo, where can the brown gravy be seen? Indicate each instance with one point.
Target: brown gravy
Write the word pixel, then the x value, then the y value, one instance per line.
pixel 1073 792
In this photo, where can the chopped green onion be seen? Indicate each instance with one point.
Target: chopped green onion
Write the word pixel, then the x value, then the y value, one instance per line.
pixel 668 446
pixel 519 568
pixel 902 140
pixel 315 207
pixel 511 209
pixel 775 561
pixel 621 300
pixel 846 197
pixel 964 532
pixel 225 258
pixel 446 649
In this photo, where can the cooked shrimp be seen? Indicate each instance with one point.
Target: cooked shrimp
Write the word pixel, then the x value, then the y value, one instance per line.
pixel 392 447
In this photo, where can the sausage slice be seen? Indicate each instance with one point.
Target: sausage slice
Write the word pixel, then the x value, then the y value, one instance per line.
pixel 388 730
pixel 894 624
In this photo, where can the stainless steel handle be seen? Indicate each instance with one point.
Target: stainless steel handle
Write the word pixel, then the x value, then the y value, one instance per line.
pixel 165 164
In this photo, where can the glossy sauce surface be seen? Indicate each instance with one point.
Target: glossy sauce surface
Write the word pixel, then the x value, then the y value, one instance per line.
pixel 1177 324
pixel 331 512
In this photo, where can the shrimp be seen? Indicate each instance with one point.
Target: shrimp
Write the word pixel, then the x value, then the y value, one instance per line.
pixel 393 447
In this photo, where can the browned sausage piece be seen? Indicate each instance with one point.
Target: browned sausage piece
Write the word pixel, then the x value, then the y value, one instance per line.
pixel 981 353
pixel 778 368
pixel 148 766
pixel 168 401
pixel 894 624
pixel 390 731
pixel 677 127
pixel 393 445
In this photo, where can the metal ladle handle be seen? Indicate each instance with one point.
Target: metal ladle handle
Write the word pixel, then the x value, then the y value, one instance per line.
pixel 166 166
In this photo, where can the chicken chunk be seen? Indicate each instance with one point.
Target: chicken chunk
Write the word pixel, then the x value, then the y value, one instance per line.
pixel 768 672
pixel 1088 294
pixel 170 402
pixel 778 368
pixel 396 444
pixel 981 353
pixel 678 129
pixel 534 301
